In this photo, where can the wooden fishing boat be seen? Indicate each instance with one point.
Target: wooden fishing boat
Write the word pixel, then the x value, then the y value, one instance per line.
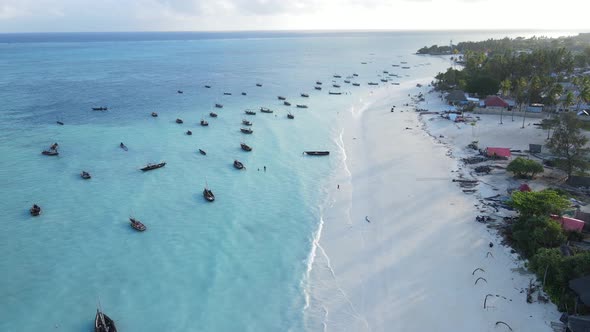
pixel 317 153
pixel 356 84
pixel 258 84
pixel 150 167
pixel 305 95
pixel 100 108
pixel 246 130
pixel 318 83
pixel 373 83
pixel 50 153
pixel 208 86
pixel 60 123
pixel 123 146
pixel 85 175
pixel 154 114
pixel 213 115
pixel 290 116
pixel 250 112
pixel 265 110
pixel 355 75
pixel 218 106
pixel 337 76
pixel 227 93
pixel 286 103
pixel 204 123
pixel 179 91
pixel 363 63
pixel 405 67
pixel 334 93
pixel 179 121
pixel 317 87
pixel 281 98
pixel 243 93
pixel 245 147
pixel 336 85
pixel 103 323
pixel 395 65
pixel 385 72
pixel 35 210
pixel 208 194
pixel 202 152
pixel 238 164
pixel 246 123
pixel 384 80
pixel 301 106
pixel 346 81
pixel 137 225
pixel 188 132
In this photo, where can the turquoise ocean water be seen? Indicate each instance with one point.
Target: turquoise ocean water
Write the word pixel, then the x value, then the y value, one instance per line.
pixel 237 264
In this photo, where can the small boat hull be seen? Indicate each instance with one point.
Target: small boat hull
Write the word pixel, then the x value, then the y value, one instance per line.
pixel 137 225
pixel 238 165
pixel 245 147
pixel 50 153
pixel 208 195
pixel 150 167
pixel 35 210
pixel 317 153
pixel 202 152
pixel 103 323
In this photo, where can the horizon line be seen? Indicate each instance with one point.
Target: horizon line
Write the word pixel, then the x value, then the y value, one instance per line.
pixel 305 31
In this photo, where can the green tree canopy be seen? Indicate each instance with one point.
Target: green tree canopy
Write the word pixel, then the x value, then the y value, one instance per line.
pixel 524 168
pixel 568 143
pixel 538 203
pixel 532 233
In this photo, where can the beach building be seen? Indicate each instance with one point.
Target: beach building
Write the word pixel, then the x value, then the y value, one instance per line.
pixel 456 97
pixel 495 102
pixel 535 108
pixel 498 152
pixel 568 223
pixel 577 323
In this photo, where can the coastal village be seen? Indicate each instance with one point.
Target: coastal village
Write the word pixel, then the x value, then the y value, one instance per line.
pixel 521 140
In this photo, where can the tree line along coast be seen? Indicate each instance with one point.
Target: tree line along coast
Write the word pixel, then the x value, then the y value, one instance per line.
pixel 553 73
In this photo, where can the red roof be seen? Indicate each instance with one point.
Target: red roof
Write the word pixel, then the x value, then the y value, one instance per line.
pixel 524 187
pixel 495 101
pixel 498 152
pixel 569 224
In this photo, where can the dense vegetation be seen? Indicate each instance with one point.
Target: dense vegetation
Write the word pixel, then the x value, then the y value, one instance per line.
pixel 569 144
pixel 539 237
pixel 526 69
pixel 524 168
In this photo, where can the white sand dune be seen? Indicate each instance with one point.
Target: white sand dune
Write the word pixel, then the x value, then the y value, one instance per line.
pixel 410 268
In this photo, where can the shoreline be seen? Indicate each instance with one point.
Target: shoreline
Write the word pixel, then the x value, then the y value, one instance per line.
pixel 355 273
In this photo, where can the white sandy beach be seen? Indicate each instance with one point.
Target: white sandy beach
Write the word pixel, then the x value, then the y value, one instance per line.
pixel 399 243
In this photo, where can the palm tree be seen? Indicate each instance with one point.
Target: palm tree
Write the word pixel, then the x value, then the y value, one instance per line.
pixel 505 87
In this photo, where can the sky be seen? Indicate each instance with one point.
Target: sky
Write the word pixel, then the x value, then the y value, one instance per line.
pixel 236 15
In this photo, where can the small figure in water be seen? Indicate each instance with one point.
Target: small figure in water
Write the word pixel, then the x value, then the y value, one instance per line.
pixel 265 168
pixel 367 219
pixel 338 186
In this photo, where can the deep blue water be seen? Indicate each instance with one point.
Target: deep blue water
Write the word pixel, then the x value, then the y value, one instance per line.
pixel 237 264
